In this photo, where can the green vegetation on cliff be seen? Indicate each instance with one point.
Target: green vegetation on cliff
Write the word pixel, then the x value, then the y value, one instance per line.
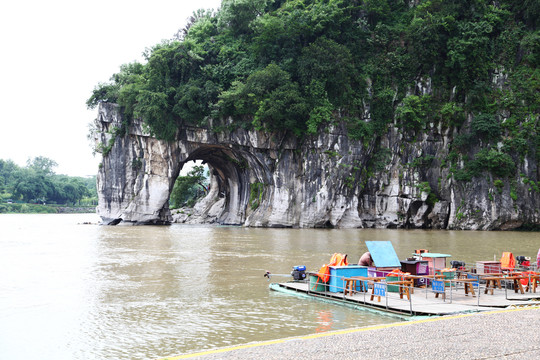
pixel 300 65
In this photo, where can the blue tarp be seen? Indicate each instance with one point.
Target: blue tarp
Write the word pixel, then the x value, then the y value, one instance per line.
pixel 383 254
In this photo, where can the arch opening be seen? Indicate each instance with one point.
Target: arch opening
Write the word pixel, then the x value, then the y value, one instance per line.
pixel 227 190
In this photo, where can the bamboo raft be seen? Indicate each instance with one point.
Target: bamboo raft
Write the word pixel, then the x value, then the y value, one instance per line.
pixel 420 301
pixel 418 286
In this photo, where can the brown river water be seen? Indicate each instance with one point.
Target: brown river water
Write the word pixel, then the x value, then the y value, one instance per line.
pixel 75 291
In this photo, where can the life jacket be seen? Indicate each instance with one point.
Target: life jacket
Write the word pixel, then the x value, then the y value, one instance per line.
pixel 324 273
pixel 507 261
pixel 398 273
pixel 336 260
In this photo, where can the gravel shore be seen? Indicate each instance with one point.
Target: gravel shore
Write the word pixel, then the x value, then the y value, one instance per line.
pixel 508 334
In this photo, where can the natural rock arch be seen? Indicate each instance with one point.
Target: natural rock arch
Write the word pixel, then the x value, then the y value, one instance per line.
pixel 138 171
pixel 274 180
pixel 232 171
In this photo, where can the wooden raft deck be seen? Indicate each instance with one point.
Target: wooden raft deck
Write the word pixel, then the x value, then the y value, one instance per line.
pixel 423 300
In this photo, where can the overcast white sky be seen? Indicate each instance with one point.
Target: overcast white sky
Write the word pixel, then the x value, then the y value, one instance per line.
pixel 54 53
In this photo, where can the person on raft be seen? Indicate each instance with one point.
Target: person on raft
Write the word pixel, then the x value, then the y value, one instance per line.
pixel 365 259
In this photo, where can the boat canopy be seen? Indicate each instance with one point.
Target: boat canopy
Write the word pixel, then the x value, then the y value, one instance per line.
pixel 383 254
pixel 435 255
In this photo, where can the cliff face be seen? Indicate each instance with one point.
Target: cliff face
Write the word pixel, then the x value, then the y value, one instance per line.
pixel 329 180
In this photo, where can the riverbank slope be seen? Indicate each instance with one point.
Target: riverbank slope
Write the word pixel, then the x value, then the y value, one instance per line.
pixel 509 334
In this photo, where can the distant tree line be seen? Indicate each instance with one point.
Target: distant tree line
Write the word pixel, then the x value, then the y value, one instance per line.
pixel 37 183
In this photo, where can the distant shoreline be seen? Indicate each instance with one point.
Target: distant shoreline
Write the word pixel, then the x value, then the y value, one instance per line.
pixel 17 208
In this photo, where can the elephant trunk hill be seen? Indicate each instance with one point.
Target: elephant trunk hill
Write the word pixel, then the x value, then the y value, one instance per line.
pixel 332 113
pixel 327 180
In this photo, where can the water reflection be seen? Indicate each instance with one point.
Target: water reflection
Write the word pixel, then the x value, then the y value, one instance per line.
pixel 324 318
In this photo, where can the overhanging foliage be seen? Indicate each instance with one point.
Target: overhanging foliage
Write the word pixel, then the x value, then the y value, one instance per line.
pixel 299 65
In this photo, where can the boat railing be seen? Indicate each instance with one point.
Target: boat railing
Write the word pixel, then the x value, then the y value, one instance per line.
pixel 366 288
pixel 450 287
pixel 495 267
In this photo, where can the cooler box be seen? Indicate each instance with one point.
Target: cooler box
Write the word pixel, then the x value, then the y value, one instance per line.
pixel 337 273
pixel 488 267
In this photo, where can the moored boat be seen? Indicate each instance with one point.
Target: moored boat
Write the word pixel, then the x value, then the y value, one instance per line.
pixel 419 285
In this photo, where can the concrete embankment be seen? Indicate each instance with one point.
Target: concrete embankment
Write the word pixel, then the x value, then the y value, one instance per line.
pixel 508 334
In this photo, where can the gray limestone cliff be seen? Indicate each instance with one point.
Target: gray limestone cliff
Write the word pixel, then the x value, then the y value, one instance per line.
pixel 328 180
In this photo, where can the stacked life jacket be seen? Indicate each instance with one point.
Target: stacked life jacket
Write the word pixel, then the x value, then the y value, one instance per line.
pixel 398 273
pixel 507 261
pixel 336 260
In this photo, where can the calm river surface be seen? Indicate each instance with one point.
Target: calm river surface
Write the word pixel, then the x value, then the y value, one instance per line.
pixel 73 291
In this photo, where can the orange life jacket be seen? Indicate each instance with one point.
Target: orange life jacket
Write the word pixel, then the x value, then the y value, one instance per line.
pixel 324 273
pixel 336 260
pixel 398 273
pixel 507 261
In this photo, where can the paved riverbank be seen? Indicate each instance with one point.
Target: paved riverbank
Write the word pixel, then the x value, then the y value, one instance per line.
pixel 508 334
